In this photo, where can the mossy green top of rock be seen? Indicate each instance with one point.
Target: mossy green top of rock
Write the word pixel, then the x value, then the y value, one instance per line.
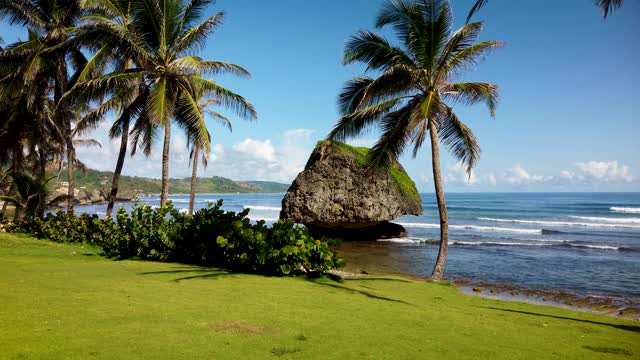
pixel 405 185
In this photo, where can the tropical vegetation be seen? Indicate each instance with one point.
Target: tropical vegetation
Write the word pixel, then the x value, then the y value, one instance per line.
pixel 606 7
pixel 142 70
pixel 210 237
pixel 411 98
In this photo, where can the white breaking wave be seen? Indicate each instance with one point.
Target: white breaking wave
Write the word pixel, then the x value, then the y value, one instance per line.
pixel 632 210
pixel 473 227
pixel 257 218
pixel 609 219
pixel 260 207
pixel 184 211
pixel 560 223
pixel 533 243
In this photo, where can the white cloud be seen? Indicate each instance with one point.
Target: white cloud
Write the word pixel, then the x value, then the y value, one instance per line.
pixel 458 173
pixel 517 175
pixel 263 150
pixel 605 171
pixel 304 133
pixel 491 180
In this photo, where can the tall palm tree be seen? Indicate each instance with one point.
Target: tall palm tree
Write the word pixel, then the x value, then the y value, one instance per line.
pixel 166 36
pixel 49 56
pixel 410 98
pixel 606 6
pixel 106 18
pixel 194 140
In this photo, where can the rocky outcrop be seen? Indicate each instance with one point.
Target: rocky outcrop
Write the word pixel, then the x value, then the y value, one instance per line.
pixel 84 197
pixel 337 196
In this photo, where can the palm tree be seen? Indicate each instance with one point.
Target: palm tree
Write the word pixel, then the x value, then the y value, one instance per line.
pixel 31 195
pixel 106 18
pixel 606 6
pixel 195 140
pixel 48 56
pixel 409 99
pixel 166 36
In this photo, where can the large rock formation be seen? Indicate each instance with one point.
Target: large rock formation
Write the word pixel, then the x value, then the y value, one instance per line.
pixel 337 196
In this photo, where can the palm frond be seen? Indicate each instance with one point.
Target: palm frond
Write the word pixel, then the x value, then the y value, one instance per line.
pixel 228 99
pixel 470 93
pixel 460 140
pixel 606 6
pixel 375 51
pixel 356 122
pixel 352 94
pixel 476 6
pixel 196 36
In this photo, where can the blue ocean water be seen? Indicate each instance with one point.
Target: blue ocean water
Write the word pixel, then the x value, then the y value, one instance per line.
pixel 587 243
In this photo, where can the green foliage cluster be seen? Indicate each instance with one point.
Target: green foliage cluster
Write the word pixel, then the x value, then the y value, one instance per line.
pixel 403 182
pixel 211 237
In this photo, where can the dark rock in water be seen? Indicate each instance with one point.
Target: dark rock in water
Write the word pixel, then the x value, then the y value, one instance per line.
pixel 337 196
pixel 383 230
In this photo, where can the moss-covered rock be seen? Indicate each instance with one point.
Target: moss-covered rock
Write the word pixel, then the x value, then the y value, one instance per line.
pixel 337 194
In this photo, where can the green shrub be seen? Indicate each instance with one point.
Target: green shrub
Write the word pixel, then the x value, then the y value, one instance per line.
pixel 211 237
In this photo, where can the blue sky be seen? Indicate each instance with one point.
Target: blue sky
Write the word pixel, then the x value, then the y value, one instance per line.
pixel 566 121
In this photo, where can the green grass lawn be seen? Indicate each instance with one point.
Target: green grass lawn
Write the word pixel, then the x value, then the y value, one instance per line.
pixel 66 302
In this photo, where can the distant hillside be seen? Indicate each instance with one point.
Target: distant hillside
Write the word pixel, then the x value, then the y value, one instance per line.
pixel 130 185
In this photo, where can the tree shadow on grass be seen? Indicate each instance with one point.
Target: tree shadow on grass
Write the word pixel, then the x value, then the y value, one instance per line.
pixel 361 292
pixel 377 279
pixel 202 273
pixel 631 328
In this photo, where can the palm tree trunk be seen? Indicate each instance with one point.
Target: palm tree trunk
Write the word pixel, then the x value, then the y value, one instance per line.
pixel 124 140
pixel 42 161
pixel 192 194
pixel 71 157
pixel 165 162
pixel 438 270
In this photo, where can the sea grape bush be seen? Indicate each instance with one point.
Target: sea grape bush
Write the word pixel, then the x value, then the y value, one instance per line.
pixel 211 237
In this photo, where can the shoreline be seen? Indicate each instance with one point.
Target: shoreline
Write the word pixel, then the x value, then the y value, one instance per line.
pixel 617 307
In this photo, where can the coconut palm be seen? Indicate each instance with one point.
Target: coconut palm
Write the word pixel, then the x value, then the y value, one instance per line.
pixel 165 38
pixel 410 98
pixel 47 57
pixel 100 32
pixel 31 195
pixel 199 149
pixel 606 6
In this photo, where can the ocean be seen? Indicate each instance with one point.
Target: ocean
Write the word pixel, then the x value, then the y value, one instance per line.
pixel 584 243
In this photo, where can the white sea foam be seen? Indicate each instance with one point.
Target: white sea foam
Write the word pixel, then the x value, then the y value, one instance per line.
pixel 632 210
pixel 529 243
pixel 257 218
pixel 559 223
pixel 608 219
pixel 260 207
pixel 473 227
pixel 184 211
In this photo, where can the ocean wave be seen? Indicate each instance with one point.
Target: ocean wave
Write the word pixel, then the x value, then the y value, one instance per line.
pixel 183 211
pixel 608 219
pixel 632 210
pixel 533 243
pixel 473 227
pixel 258 218
pixel 559 223
pixel 260 207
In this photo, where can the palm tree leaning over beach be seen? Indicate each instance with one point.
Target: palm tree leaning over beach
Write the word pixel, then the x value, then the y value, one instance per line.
pixel 410 98
pixel 606 6
pixel 166 37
